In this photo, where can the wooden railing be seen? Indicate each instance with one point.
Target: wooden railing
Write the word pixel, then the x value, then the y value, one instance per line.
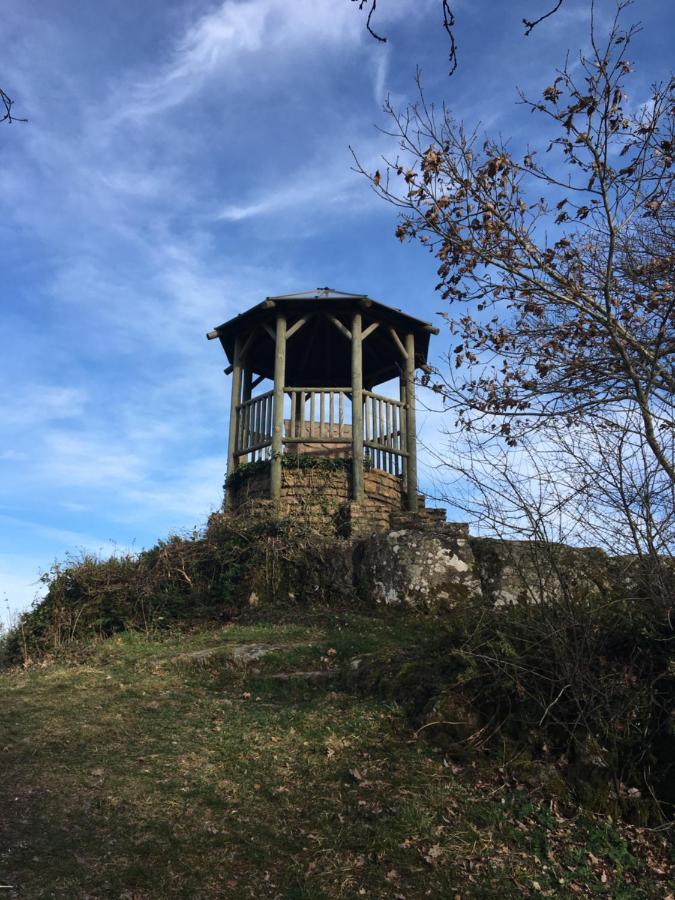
pixel 384 432
pixel 317 416
pixel 254 427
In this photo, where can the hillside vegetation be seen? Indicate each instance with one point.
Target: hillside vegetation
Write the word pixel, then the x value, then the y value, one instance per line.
pixel 221 716
pixel 240 761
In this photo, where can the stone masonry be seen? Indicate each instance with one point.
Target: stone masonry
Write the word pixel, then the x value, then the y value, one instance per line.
pixel 321 498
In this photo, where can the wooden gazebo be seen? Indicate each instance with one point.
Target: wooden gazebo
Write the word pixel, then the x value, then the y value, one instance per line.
pixel 324 352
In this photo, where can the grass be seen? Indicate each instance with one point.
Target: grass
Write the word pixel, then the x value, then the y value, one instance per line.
pixel 148 772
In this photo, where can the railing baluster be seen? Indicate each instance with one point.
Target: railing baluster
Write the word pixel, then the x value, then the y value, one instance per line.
pixel 373 422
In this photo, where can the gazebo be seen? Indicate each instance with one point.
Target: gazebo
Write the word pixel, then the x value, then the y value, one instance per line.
pixel 325 352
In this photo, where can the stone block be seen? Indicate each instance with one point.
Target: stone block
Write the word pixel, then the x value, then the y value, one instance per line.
pixel 423 569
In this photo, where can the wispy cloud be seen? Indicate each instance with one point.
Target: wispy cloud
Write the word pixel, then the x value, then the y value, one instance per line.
pixel 232 36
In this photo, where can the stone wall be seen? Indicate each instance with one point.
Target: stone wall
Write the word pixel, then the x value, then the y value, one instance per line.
pixel 425 568
pixel 321 498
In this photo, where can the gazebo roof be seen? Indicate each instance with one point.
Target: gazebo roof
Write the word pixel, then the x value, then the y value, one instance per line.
pixel 319 355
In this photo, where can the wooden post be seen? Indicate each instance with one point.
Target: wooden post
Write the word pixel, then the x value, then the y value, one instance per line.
pixel 411 431
pixel 357 409
pixel 235 399
pixel 278 420
pixel 403 424
pixel 248 384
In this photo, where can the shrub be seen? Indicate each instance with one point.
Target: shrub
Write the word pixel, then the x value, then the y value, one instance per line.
pixel 588 684
pixel 210 575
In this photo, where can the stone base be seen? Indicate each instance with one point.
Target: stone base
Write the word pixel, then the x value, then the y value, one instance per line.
pixel 320 498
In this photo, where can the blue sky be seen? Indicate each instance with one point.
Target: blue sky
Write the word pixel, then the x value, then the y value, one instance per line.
pixel 182 161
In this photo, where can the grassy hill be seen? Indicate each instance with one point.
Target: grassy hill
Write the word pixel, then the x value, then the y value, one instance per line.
pixel 247 760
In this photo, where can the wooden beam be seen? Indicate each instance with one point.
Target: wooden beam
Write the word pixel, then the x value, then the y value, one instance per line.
pixel 365 303
pixel 268 328
pixel 431 329
pixel 411 428
pixel 296 326
pixel 211 335
pixel 278 412
pixel 247 343
pixel 235 399
pixel 397 340
pixel 248 383
pixel 267 304
pixel 357 408
pixel 340 327
pixel 229 370
pixel 256 381
pixel 369 330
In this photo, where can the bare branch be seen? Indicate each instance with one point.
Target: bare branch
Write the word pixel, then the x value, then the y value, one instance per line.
pixel 531 24
pixel 6 104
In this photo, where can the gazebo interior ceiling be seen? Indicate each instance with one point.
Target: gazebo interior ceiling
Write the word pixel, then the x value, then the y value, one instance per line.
pixel 319 353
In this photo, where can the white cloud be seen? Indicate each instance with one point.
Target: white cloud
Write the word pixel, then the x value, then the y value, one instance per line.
pixel 234 33
pixel 29 405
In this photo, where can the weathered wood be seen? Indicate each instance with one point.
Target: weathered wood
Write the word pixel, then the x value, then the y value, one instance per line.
pixel 390 436
pixel 341 412
pixel 271 331
pixel 269 411
pixel 411 424
pixel 397 340
pixel 256 381
pixel 235 396
pixel 296 326
pixel 340 327
pixel 294 413
pixel 278 414
pixel 229 370
pixel 373 422
pixel 247 343
pixel 357 408
pixel 404 426
pixel 369 330
pixel 267 304
pixel 248 384
pixel 431 329
pixel 211 335
pixel 382 397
